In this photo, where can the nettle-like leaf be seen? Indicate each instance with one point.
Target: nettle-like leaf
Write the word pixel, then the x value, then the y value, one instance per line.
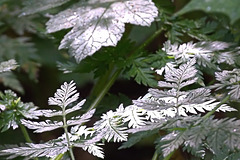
pixel 13 110
pixel 229 80
pixel 98 23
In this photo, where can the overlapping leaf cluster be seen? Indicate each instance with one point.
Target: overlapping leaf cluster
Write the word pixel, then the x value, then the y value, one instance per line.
pixel 63 98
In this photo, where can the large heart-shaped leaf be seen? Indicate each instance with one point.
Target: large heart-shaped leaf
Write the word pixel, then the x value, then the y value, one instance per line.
pixel 98 23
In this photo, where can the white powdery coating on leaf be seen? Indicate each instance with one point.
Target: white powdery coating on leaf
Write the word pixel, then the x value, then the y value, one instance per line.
pixel 64 96
pixel 99 23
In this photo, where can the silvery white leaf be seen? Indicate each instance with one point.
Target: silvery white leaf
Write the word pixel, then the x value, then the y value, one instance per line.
pixel 42 126
pixel 98 23
pixel 36 150
pixel 81 119
pixel 64 96
pixel 111 127
pixel 201 51
pixel 76 107
pixel 135 116
pixel 94 150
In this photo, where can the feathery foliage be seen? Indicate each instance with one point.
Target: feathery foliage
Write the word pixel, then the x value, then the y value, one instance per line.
pixel 190 77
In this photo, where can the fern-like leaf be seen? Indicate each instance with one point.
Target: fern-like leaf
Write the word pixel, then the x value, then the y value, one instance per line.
pixel 229 80
pixel 43 126
pixel 81 119
pixel 111 126
pixel 201 51
pixel 134 116
pixel 64 96
pixel 94 150
pixel 142 73
pixel 181 77
pixel 36 150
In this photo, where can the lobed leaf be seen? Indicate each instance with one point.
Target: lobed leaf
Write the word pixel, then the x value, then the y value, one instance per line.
pixel 98 23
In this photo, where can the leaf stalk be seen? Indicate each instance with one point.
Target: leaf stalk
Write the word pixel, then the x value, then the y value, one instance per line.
pixel 66 132
pixel 26 135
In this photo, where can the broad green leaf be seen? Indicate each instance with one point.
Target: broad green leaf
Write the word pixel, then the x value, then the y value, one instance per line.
pixel 230 8
pixel 98 23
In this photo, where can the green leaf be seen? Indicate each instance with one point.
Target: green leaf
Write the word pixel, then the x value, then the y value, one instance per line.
pixel 143 75
pixel 137 137
pixel 230 8
pixel 12 110
pixel 141 71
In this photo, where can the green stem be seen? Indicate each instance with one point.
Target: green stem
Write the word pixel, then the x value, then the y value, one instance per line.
pixel 169 156
pixel 67 137
pixel 101 82
pixel 219 105
pixel 59 157
pixel 155 156
pixel 26 135
pixel 149 40
pixel 105 90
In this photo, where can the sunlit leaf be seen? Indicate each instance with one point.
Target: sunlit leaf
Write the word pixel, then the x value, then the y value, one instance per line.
pixel 98 23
